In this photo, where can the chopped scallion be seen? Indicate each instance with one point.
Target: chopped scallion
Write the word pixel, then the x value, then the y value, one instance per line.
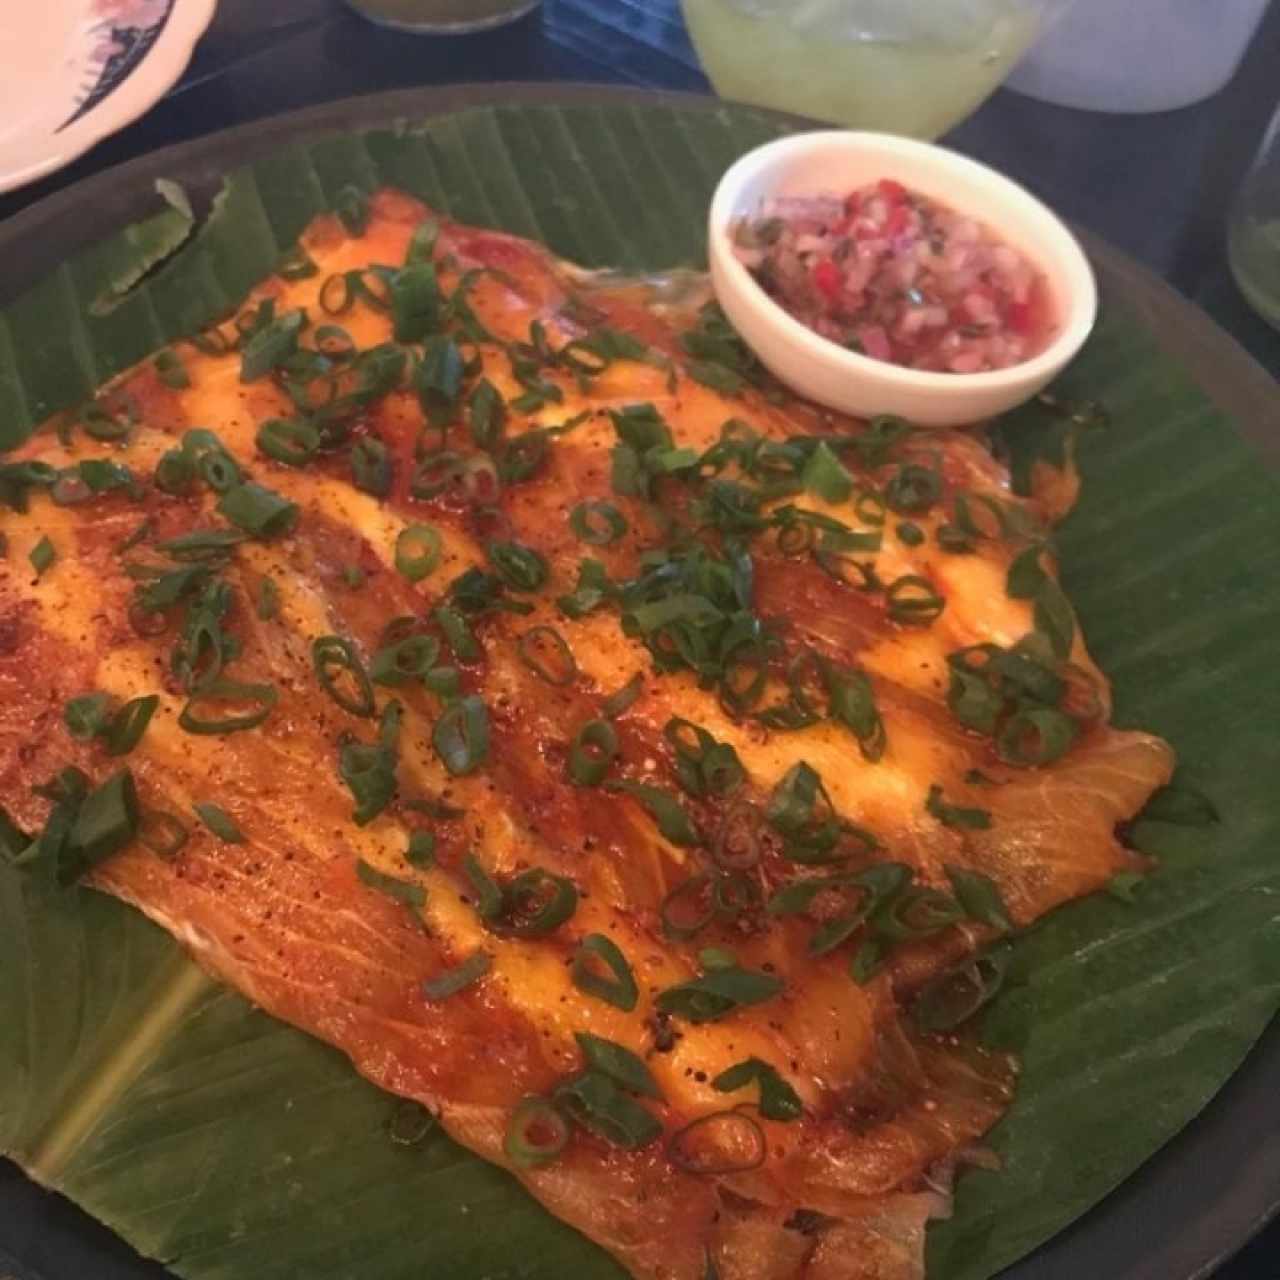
pixel 597 523
pixel 546 653
pixel 342 674
pixel 955 816
pixel 220 822
pixel 778 1100
pixel 594 749
pixel 259 511
pixel 217 696
pixel 126 727
pixel 619 1063
pixel 619 989
pixel 42 556
pixel 461 735
pixel 412 895
pixel 293 441
pixel 459 978
pixel 418 551
pixel 536 1134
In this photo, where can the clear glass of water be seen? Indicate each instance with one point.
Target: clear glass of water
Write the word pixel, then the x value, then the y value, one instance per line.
pixel 1253 230
pixel 442 17
pixel 912 67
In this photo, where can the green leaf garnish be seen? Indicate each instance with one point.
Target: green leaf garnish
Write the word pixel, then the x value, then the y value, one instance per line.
pixel 352 208
pixel 419 549
pixel 371 466
pixel 778 1100
pixel 439 379
pixel 422 244
pixel 459 978
pixel 620 988
pixel 1054 618
pixel 415 301
pixel 593 590
pixel 125 729
pixel 597 523
pixel 17 479
pixel 621 700
pixel 662 807
pixel 704 766
pixel 489 896
pixel 162 833
pixel 270 343
pixel 421 849
pixel 293 442
pixel 369 769
pixel 867 961
pixel 342 674
pixel 537 902
pixel 912 599
pixel 913 488
pixel 547 654
pixel 1039 735
pixel 715 994
pixel 407 659
pixel 825 475
pixel 411 895
pixel 980 897
pixel 461 735
pixel 106 820
pixel 851 700
pixel 215 466
pixel 916 913
pixel 170 370
pixel 268 605
pixel 521 568
pixel 87 715
pixel 536 1134
pixel 461 639
pixel 260 512
pixel 955 816
pixel 593 751
pixel 487 415
pixel 598 1104
pixel 42 556
pixel 218 695
pixel 618 1063
pixel 220 822
pixel 1026 575
pixel 209 546
pixel 954 997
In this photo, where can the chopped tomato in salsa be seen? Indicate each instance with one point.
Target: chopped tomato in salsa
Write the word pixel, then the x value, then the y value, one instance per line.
pixel 897 276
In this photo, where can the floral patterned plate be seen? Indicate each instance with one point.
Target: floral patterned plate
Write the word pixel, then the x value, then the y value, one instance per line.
pixel 74 71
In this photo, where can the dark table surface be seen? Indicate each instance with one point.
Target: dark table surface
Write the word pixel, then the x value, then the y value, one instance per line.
pixel 1157 186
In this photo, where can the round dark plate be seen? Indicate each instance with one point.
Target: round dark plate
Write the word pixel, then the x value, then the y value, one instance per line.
pixel 1179 1217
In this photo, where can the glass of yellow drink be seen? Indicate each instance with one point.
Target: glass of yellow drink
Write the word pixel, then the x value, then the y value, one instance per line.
pixel 442 17
pixel 912 67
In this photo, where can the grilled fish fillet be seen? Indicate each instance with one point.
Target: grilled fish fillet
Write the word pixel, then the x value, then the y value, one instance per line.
pixel 292 916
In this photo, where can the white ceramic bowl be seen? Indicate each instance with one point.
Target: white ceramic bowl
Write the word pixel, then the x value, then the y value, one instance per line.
pixel 838 162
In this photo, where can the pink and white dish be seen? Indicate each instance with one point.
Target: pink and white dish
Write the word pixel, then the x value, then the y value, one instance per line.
pixel 74 71
pixel 877 274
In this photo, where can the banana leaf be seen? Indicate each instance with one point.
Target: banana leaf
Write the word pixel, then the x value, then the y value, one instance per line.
pixel 230 1146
